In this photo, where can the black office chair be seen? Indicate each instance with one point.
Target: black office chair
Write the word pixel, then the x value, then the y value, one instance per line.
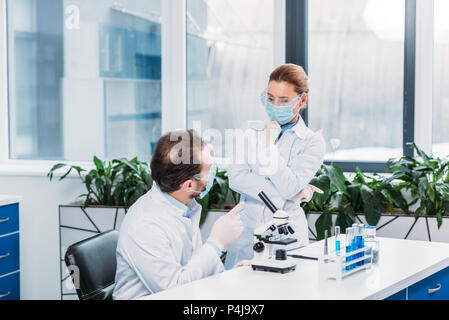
pixel 92 264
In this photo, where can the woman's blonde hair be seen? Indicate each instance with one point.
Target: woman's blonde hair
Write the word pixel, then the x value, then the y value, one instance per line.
pixel 293 74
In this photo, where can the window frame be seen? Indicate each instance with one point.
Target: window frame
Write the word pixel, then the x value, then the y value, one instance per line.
pixel 417 51
pixel 174 58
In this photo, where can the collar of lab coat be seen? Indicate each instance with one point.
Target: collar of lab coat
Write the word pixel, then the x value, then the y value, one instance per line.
pixel 300 128
pixel 187 211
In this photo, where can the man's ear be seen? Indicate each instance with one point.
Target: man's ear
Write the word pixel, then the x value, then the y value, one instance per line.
pixel 211 149
pixel 186 185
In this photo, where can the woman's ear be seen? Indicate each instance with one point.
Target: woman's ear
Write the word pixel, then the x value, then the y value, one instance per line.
pixel 302 103
pixel 304 100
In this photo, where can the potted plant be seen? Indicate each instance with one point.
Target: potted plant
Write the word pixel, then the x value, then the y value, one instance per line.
pixel 347 200
pixel 427 179
pixel 117 183
pixel 379 201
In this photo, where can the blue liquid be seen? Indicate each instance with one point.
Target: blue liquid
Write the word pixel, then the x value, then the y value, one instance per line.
pixel 337 247
pixel 349 258
pixel 358 242
pixel 355 256
pixel 362 245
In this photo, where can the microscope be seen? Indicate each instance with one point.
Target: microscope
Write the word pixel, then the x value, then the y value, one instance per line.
pixel 271 241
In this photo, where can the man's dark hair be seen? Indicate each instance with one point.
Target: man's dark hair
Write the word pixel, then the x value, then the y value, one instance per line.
pixel 176 159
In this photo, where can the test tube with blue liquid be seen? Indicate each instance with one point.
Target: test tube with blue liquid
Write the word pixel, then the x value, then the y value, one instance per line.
pixel 354 242
pixel 353 245
pixel 361 241
pixel 349 239
pixel 358 242
pixel 337 240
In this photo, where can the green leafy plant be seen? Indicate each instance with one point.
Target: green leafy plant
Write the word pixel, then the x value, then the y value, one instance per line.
pixel 122 182
pixel 427 179
pixel 371 195
pixel 135 181
pixel 119 182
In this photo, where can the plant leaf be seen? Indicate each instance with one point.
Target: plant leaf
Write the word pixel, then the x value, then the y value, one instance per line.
pixel 53 169
pixel 322 182
pixel 398 199
pixel 98 163
pixel 337 178
pixel 372 205
pixel 324 222
pixel 346 217
pixel 355 197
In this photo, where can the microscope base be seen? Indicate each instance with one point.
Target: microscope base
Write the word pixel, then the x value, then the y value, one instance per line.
pixel 274 266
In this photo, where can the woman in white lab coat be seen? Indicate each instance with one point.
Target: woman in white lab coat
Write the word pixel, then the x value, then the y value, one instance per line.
pixel 296 153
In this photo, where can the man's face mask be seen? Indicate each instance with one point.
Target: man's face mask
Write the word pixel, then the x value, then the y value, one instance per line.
pixel 210 181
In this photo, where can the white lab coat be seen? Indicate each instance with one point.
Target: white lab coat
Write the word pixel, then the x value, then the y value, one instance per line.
pixel 300 153
pixel 160 247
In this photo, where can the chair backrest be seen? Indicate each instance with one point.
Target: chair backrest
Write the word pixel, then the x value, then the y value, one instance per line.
pixel 92 264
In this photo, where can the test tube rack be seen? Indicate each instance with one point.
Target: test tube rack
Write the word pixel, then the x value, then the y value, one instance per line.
pixel 333 266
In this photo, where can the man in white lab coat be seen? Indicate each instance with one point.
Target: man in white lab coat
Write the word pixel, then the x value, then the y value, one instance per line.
pixel 160 245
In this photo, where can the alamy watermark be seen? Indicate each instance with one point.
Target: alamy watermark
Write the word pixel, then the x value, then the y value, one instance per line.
pixel 236 147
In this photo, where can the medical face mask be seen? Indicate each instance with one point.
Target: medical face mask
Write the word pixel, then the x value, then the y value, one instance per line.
pixel 210 181
pixel 281 114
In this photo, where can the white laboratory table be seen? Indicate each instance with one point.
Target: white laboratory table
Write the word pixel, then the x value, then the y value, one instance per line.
pixel 406 270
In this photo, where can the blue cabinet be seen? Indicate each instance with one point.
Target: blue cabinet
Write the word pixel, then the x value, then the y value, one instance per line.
pixel 9 219
pixel 10 287
pixel 434 287
pixel 9 252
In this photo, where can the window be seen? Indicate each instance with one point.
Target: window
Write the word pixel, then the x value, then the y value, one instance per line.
pixel 84 78
pixel 441 80
pixel 230 56
pixel 356 69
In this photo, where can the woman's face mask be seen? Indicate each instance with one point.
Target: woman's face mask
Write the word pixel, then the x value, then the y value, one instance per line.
pixel 280 109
